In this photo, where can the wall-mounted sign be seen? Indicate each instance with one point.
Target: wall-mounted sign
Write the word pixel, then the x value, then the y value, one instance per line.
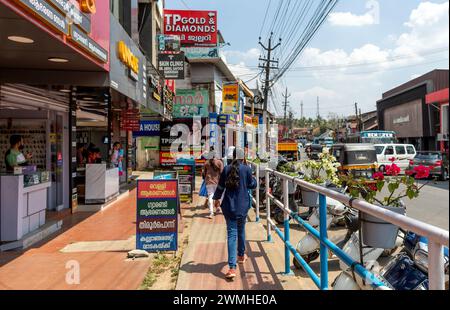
pixel 191 102
pixel 88 6
pixel 128 59
pixel 157 215
pixel 201 52
pixel 79 18
pixel 230 99
pixel 171 66
pixel 169 43
pixel 130 120
pixel 46 13
pixel 198 28
pixel 401 120
pixel 83 40
pixel 148 129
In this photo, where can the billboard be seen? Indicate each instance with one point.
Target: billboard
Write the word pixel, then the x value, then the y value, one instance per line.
pixel 171 66
pixel 230 99
pixel 195 28
pixel 191 102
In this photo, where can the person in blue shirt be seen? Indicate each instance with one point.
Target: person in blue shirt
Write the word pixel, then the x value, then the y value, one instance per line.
pixel 235 180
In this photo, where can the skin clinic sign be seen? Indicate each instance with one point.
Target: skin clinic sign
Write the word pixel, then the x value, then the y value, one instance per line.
pixel 157 215
pixel 195 28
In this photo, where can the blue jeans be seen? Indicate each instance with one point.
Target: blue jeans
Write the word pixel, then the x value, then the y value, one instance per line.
pixel 236 234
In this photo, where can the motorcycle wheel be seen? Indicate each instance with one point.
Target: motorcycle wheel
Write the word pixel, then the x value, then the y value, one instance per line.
pixel 279 217
pixel 308 258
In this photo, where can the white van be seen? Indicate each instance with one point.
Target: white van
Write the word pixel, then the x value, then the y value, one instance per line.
pixel 402 153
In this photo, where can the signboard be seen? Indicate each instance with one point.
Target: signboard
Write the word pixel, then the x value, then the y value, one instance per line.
pixel 130 120
pixel 147 129
pixel 157 215
pixel 171 66
pixel 201 52
pixel 46 13
pixel 186 182
pixel 230 99
pixel 169 43
pixel 85 42
pixel 166 140
pixel 195 28
pixel 79 18
pixel 191 102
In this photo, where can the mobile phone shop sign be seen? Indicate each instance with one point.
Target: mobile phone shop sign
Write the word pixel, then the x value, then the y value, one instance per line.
pixel 157 215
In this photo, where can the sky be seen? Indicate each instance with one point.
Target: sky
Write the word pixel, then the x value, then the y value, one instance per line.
pixel 363 49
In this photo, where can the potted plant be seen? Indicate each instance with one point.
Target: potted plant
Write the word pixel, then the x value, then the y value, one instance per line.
pixel 318 172
pixel 376 232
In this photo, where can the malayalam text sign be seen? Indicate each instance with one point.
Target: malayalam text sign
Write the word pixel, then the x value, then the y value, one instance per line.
pixel 171 66
pixel 195 28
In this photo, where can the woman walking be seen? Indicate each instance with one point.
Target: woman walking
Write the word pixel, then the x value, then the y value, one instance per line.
pixel 236 180
pixel 211 172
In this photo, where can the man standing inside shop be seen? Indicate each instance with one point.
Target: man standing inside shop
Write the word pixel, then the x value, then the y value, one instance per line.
pixel 14 156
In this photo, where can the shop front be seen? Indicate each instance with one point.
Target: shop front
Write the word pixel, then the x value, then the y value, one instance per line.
pixel 46 47
pixel 439 100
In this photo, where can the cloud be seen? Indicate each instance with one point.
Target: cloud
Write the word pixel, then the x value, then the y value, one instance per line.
pixel 250 55
pixel 352 20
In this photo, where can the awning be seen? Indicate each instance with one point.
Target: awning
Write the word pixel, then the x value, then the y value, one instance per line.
pixel 440 96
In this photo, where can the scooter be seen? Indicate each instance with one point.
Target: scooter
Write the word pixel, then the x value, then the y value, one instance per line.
pixel 309 247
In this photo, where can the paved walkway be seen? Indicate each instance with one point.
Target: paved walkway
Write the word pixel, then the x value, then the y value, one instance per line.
pixel 103 260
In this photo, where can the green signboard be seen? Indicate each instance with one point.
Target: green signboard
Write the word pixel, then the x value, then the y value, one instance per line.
pixel 191 102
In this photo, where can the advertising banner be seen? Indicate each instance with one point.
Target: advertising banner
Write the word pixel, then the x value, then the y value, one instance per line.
pixel 201 52
pixel 181 137
pixel 169 43
pixel 171 66
pixel 230 99
pixel 191 102
pixel 157 215
pixel 195 28
pixel 186 182
pixel 148 129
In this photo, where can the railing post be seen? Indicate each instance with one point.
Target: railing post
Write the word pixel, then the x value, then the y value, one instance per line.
pixel 323 248
pixel 269 235
pixel 287 252
pixel 436 266
pixel 257 193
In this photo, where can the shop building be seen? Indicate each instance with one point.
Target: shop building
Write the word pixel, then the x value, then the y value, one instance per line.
pixel 405 111
pixel 439 101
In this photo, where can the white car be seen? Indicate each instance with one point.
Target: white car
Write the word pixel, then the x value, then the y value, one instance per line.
pixel 402 153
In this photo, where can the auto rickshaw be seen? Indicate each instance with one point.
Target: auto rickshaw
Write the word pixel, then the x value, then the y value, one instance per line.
pixel 313 151
pixel 357 158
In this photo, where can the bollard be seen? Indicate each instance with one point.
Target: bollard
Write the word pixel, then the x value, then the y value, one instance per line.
pixel 323 248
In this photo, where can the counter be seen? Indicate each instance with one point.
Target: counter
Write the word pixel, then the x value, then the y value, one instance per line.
pixel 102 183
pixel 22 209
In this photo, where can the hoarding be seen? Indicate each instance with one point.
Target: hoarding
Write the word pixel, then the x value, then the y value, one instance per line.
pixel 191 102
pixel 201 52
pixel 157 215
pixel 195 28
pixel 171 66
pixel 230 99
pixel 169 43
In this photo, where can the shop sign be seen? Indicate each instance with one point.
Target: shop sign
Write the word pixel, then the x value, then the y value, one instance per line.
pixel 168 136
pixel 230 99
pixel 168 100
pixel 201 52
pixel 130 120
pixel 157 215
pixel 248 120
pixel 170 85
pixel 191 102
pixel 148 129
pixel 401 120
pixel 45 12
pixel 79 18
pixel 186 182
pixel 171 66
pixel 169 43
pixel 84 41
pixel 128 59
pixel 195 28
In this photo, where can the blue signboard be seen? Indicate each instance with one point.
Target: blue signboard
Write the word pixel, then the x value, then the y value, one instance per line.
pixel 157 215
pixel 148 129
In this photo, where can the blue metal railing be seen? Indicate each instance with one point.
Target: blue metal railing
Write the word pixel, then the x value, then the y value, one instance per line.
pixel 439 236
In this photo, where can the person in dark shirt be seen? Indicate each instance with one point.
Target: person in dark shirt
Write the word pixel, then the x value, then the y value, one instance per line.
pixel 236 180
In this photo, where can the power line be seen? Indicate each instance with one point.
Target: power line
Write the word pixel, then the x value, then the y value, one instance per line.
pixel 265 17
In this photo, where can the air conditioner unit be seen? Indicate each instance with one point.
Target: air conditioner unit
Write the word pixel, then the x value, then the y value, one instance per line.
pixel 442 137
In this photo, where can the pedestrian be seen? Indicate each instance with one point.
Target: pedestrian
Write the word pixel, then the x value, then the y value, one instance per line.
pixel 211 172
pixel 230 153
pixel 236 180
pixel 117 157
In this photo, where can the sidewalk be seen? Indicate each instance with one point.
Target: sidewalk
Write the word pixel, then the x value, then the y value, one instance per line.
pixel 204 262
pixel 99 242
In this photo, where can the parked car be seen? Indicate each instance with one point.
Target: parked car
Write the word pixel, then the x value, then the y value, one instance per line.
pixel 402 153
pixel 435 159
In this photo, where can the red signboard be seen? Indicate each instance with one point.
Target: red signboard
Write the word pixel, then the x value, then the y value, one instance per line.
pixel 195 28
pixel 158 189
pixel 130 120
pixel 170 84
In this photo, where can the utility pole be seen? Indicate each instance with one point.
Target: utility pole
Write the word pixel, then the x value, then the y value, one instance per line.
pixel 286 97
pixel 267 65
pixel 301 110
pixel 318 108
pixel 356 115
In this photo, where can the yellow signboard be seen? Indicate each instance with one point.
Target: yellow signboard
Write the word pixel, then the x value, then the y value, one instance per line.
pixel 127 57
pixel 230 99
